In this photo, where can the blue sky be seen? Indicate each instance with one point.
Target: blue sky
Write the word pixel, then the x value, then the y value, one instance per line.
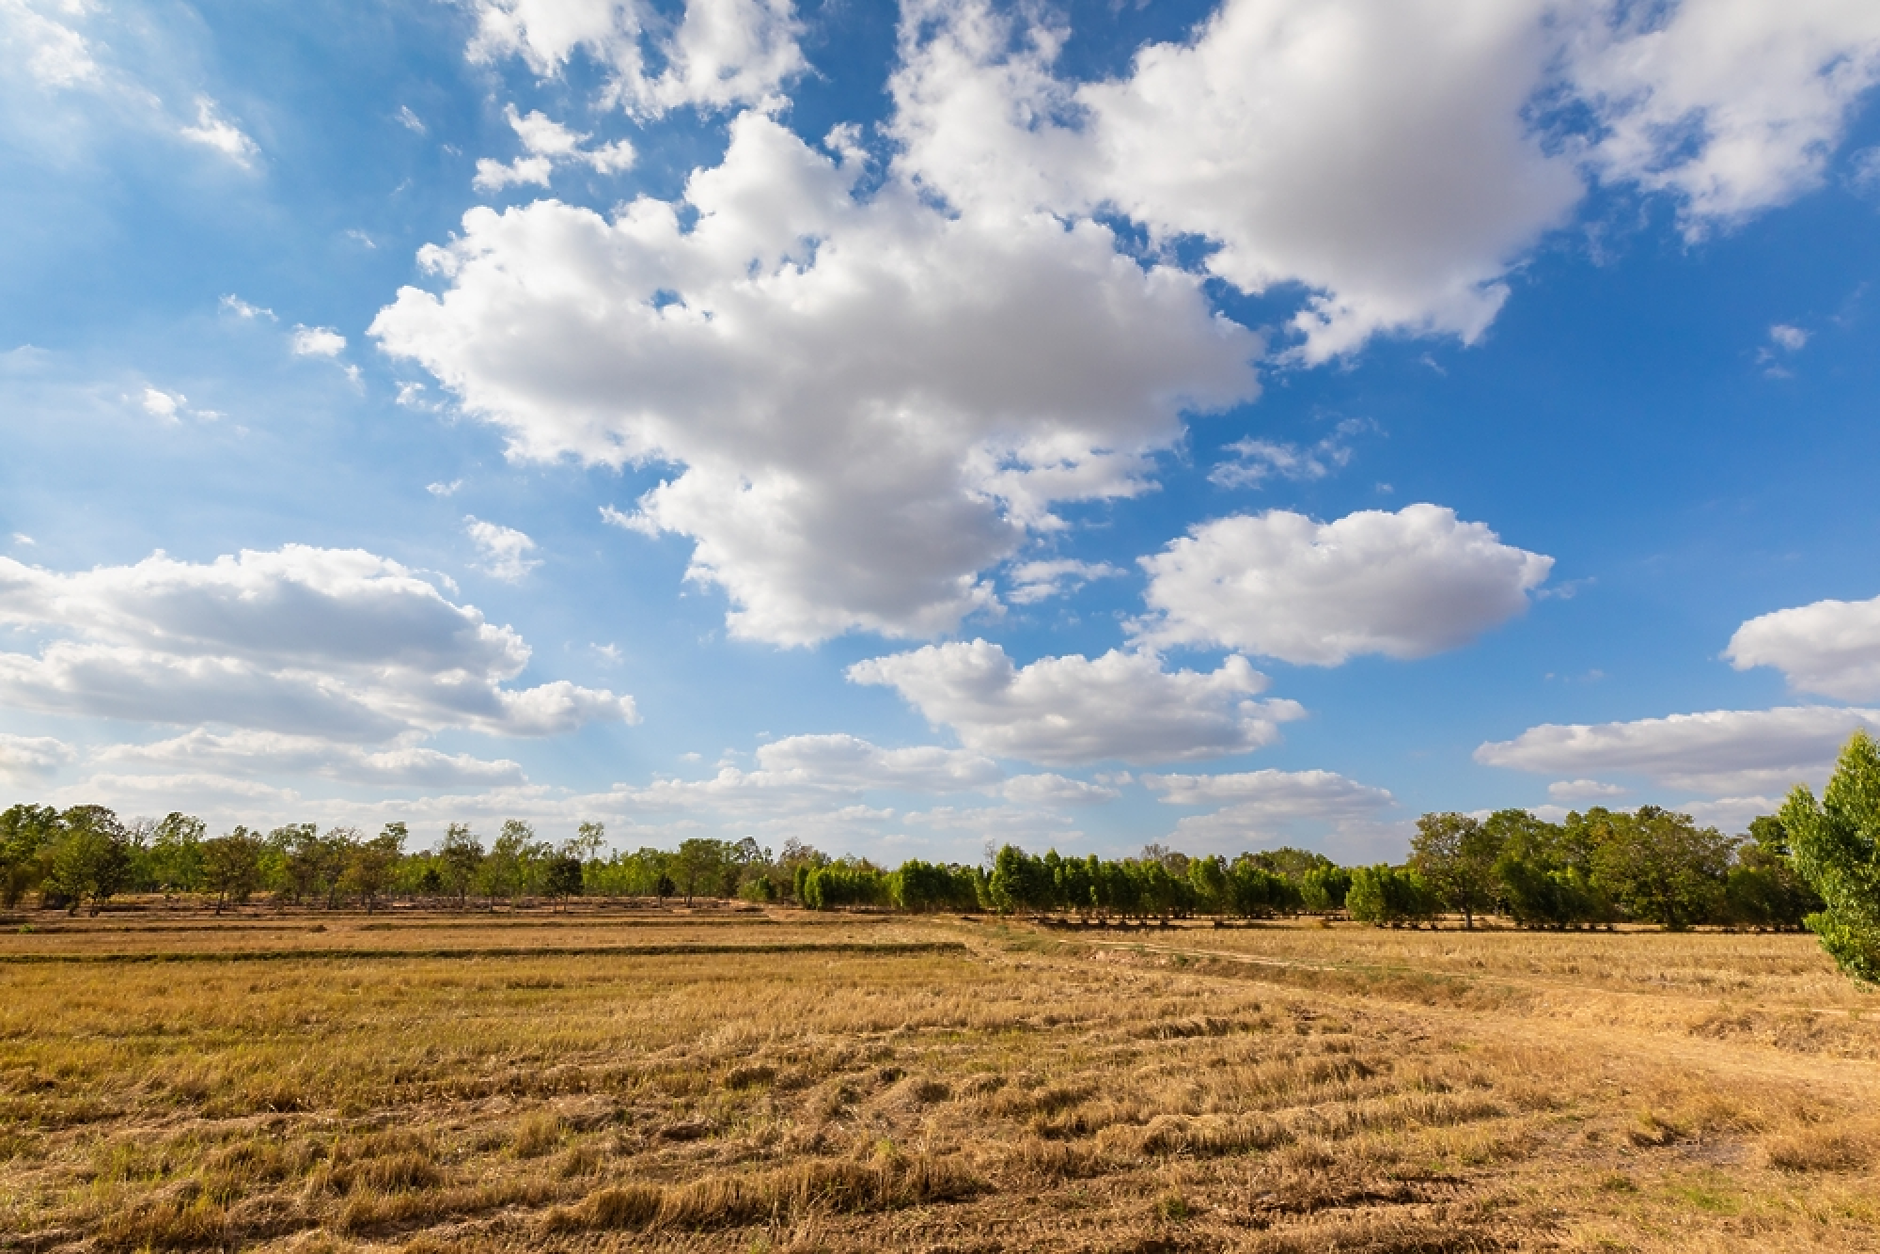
pixel 901 428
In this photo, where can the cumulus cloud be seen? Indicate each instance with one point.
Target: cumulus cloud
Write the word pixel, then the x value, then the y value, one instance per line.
pixel 1258 806
pixel 317 342
pixel 1788 337
pixel 1830 647
pixel 1584 790
pixel 721 53
pixel 1039 581
pixel 162 405
pixel 1056 790
pixel 1719 752
pixel 1426 145
pixel 549 144
pixel 843 761
pixel 505 550
pixel 27 759
pixel 1063 711
pixel 271 753
pixel 340 644
pixel 869 400
pixel 215 131
pixel 1278 584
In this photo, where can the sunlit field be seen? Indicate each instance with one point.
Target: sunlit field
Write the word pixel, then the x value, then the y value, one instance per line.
pixel 751 1081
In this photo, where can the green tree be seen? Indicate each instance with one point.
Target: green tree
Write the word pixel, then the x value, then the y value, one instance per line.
pixel 1836 844
pixel 1324 889
pixel 1389 897
pixel 174 859
pixel 461 859
pixel 563 879
pixel 231 867
pixel 1455 854
pixel 92 860
pixel 699 866
pixel 27 836
pixel 1662 868
pixel 371 864
pixel 1764 889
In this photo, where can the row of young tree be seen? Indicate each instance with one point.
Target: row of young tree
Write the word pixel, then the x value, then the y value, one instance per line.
pixel 1593 869
pixel 1814 864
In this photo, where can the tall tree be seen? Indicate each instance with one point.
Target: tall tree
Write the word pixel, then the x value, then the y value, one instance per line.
pixel 231 867
pixel 1455 854
pixel 462 858
pixel 1837 849
pixel 1663 868
pixel 92 860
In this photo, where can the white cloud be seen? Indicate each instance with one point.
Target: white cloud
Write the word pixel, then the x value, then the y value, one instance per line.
pixel 1719 752
pixel 56 54
pixel 1584 790
pixel 1733 105
pixel 1256 461
pixel 842 761
pixel 217 132
pixel 1382 152
pixel 242 309
pixel 636 521
pixel 162 405
pixel 548 144
pixel 1786 337
pixel 1730 814
pixel 1830 647
pixel 20 537
pixel 870 400
pixel 1863 170
pixel 505 550
pixel 25 759
pixel 444 489
pixel 1264 806
pixel 1038 581
pixel 722 52
pixel 317 342
pixel 1055 790
pixel 410 121
pixel 1279 584
pixel 339 644
pixel 249 753
pixel 1063 711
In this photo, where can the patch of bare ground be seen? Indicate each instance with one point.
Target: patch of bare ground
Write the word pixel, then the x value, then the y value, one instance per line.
pixel 770 1082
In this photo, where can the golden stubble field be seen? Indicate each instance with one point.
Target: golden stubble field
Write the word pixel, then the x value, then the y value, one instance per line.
pixel 743 1081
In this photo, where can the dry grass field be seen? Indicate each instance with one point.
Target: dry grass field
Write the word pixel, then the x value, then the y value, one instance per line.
pixel 742 1081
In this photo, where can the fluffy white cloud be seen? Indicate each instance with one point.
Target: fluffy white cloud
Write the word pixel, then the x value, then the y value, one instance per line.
pixel 1384 153
pixel 1719 752
pixel 869 400
pixel 1279 584
pixel 334 643
pixel 24 759
pixel 1039 581
pixel 1732 105
pixel 549 144
pixel 162 405
pixel 215 131
pixel 505 550
pixel 272 754
pixel 1263 806
pixel 1073 710
pixel 1829 647
pixel 1055 790
pixel 842 761
pixel 722 52
pixel 317 342
pixel 1584 790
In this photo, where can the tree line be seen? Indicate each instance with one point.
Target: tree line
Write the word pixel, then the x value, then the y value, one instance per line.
pixel 1593 869
pixel 1815 864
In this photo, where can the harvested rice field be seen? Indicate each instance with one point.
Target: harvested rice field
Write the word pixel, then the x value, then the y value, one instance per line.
pixel 770 1081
